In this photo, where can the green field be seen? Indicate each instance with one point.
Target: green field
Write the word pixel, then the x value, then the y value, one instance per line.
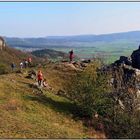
pixel 109 52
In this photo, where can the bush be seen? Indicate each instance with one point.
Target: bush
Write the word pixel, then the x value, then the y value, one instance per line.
pixel 89 90
pixel 3 69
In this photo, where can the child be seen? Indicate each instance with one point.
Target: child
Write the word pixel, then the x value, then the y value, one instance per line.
pixel 46 84
pixel 21 65
pixel 39 77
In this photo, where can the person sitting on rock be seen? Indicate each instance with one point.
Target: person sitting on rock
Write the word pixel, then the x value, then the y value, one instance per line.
pixel 45 84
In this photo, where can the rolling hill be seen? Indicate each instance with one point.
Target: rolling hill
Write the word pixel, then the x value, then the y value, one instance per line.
pixel 73 41
pixel 49 53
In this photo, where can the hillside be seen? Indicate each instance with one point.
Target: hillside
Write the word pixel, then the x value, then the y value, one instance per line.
pixel 50 54
pixel 86 99
pixel 83 101
pixel 9 55
pixel 28 113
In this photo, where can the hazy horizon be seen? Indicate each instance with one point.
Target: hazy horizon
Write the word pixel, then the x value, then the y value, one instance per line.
pixel 42 19
pixel 71 35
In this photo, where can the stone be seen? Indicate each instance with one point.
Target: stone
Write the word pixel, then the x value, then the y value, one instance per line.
pixel 136 58
pixel 137 72
pixel 2 43
pixel 123 60
pixel 85 60
pixel 121 104
pixel 31 74
pixel 84 64
pixel 138 93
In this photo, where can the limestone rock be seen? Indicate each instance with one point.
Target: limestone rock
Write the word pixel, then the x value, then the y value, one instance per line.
pixel 2 43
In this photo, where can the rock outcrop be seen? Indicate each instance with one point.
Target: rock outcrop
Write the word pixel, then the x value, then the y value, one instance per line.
pixel 2 43
pixel 126 84
pixel 123 60
pixel 125 81
pixel 133 61
pixel 136 58
pixel 75 65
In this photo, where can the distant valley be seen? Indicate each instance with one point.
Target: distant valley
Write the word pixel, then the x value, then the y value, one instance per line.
pixel 110 46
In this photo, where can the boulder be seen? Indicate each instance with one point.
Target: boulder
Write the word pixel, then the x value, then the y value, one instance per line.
pixel 84 64
pixel 77 64
pixel 85 60
pixel 71 66
pixel 31 74
pixel 136 58
pixel 123 60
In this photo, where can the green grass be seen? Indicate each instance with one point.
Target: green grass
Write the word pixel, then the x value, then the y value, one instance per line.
pixel 27 113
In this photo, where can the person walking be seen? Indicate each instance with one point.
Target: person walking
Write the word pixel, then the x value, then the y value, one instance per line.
pixel 13 66
pixel 21 65
pixel 25 63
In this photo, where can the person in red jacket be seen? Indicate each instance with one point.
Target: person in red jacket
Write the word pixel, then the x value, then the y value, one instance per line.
pixel 71 55
pixel 39 77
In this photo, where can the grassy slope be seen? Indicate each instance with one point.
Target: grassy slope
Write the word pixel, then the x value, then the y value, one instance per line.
pixel 26 113
pixel 9 55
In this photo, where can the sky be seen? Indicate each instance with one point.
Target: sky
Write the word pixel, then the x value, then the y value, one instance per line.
pixel 41 19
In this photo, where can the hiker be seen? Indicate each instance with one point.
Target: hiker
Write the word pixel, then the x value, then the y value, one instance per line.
pixel 71 55
pixel 29 61
pixel 13 66
pixel 39 77
pixel 25 63
pixel 21 65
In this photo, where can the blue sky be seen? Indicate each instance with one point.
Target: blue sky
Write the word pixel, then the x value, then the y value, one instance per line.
pixel 38 19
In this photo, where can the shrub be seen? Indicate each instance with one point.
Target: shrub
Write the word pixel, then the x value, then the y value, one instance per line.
pixel 3 69
pixel 89 89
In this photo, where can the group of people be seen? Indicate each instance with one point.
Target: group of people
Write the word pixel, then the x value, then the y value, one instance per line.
pixel 24 64
pixel 40 79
